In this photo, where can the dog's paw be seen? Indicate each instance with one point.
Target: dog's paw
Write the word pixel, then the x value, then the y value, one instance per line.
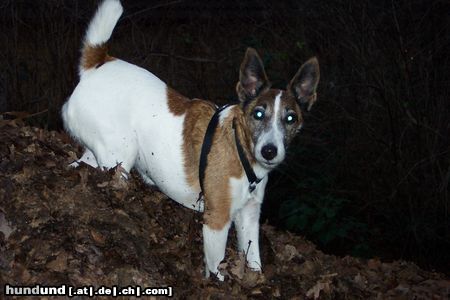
pixel 254 266
pixel 219 276
pixel 74 164
pixel 216 275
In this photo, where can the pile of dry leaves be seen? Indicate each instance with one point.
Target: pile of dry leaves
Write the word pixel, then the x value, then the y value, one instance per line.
pixel 86 227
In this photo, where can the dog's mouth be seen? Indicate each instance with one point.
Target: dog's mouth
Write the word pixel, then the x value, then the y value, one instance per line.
pixel 268 164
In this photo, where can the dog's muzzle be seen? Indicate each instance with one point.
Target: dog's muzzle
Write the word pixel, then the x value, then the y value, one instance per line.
pixel 269 151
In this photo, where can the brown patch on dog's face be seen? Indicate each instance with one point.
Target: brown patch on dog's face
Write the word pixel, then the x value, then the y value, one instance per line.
pixel 95 56
pixel 291 116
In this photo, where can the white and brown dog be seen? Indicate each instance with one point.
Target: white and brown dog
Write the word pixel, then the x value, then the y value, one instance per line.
pixel 122 114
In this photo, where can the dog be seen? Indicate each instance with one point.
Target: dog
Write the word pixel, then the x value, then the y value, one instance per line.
pixel 123 114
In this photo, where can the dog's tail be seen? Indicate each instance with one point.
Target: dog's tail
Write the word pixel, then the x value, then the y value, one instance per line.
pixel 94 52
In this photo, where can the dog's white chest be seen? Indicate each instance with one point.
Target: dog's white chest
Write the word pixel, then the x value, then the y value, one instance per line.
pixel 241 193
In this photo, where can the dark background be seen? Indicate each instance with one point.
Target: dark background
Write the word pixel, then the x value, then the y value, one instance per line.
pixel 369 173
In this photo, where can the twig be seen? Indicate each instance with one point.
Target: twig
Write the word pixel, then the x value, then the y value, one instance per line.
pixel 194 59
pixel 153 7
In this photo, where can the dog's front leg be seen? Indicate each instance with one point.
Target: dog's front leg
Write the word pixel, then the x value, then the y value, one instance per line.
pixel 247 228
pixel 246 221
pixel 214 243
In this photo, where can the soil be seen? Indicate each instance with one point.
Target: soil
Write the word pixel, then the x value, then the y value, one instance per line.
pixel 80 227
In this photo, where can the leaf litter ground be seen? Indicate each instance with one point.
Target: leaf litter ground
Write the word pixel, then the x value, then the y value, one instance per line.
pixel 79 227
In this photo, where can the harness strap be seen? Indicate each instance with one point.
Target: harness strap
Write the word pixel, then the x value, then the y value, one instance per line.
pixel 206 148
pixel 251 176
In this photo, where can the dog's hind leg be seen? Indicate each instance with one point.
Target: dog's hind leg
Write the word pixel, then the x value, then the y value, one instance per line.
pixel 116 152
pixel 88 158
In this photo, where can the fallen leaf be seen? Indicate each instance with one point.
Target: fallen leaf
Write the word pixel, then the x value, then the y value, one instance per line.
pixel 59 264
pixel 98 237
pixel 318 288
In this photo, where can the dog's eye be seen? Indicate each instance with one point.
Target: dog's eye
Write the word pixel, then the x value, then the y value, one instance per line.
pixel 291 119
pixel 258 114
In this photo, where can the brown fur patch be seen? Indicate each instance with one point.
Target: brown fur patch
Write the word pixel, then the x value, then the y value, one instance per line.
pixel 223 160
pixel 198 113
pixel 95 56
pixel 224 164
pixel 178 104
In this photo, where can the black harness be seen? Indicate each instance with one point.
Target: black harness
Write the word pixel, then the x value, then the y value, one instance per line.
pixel 206 148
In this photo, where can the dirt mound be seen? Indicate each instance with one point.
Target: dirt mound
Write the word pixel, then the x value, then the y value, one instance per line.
pixel 83 227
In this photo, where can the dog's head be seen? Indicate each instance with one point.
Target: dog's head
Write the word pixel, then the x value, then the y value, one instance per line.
pixel 274 116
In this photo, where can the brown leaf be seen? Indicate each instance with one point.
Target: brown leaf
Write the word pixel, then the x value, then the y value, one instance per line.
pixel 103 184
pixel 252 279
pixel 360 281
pixel 276 292
pixel 59 264
pixel 36 222
pixel 25 175
pixel 12 149
pixel 84 174
pixel 290 252
pixel 239 266
pixel 374 263
pixel 50 164
pixel 25 276
pixel 119 181
pixel 98 237
pixel 320 286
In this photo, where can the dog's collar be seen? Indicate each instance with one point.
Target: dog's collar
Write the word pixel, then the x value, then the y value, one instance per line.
pixel 206 148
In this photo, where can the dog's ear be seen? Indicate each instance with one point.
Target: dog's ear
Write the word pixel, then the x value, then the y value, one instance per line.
pixel 304 83
pixel 252 77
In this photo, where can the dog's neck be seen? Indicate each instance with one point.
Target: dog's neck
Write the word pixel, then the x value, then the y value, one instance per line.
pixel 244 136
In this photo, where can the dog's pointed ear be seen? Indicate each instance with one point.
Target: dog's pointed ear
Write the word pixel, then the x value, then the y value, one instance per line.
pixel 252 77
pixel 304 83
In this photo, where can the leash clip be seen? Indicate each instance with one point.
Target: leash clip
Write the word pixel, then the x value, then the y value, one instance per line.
pixel 253 185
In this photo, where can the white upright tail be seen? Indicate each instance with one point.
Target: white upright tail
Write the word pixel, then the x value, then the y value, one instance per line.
pixel 94 52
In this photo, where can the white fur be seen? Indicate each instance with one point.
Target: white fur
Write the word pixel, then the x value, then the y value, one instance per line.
pixel 88 158
pixel 102 25
pixel 246 218
pixel 214 243
pixel 119 112
pixel 247 228
pixel 273 136
pixel 224 114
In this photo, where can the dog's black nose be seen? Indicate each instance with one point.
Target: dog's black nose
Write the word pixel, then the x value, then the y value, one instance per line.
pixel 269 151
